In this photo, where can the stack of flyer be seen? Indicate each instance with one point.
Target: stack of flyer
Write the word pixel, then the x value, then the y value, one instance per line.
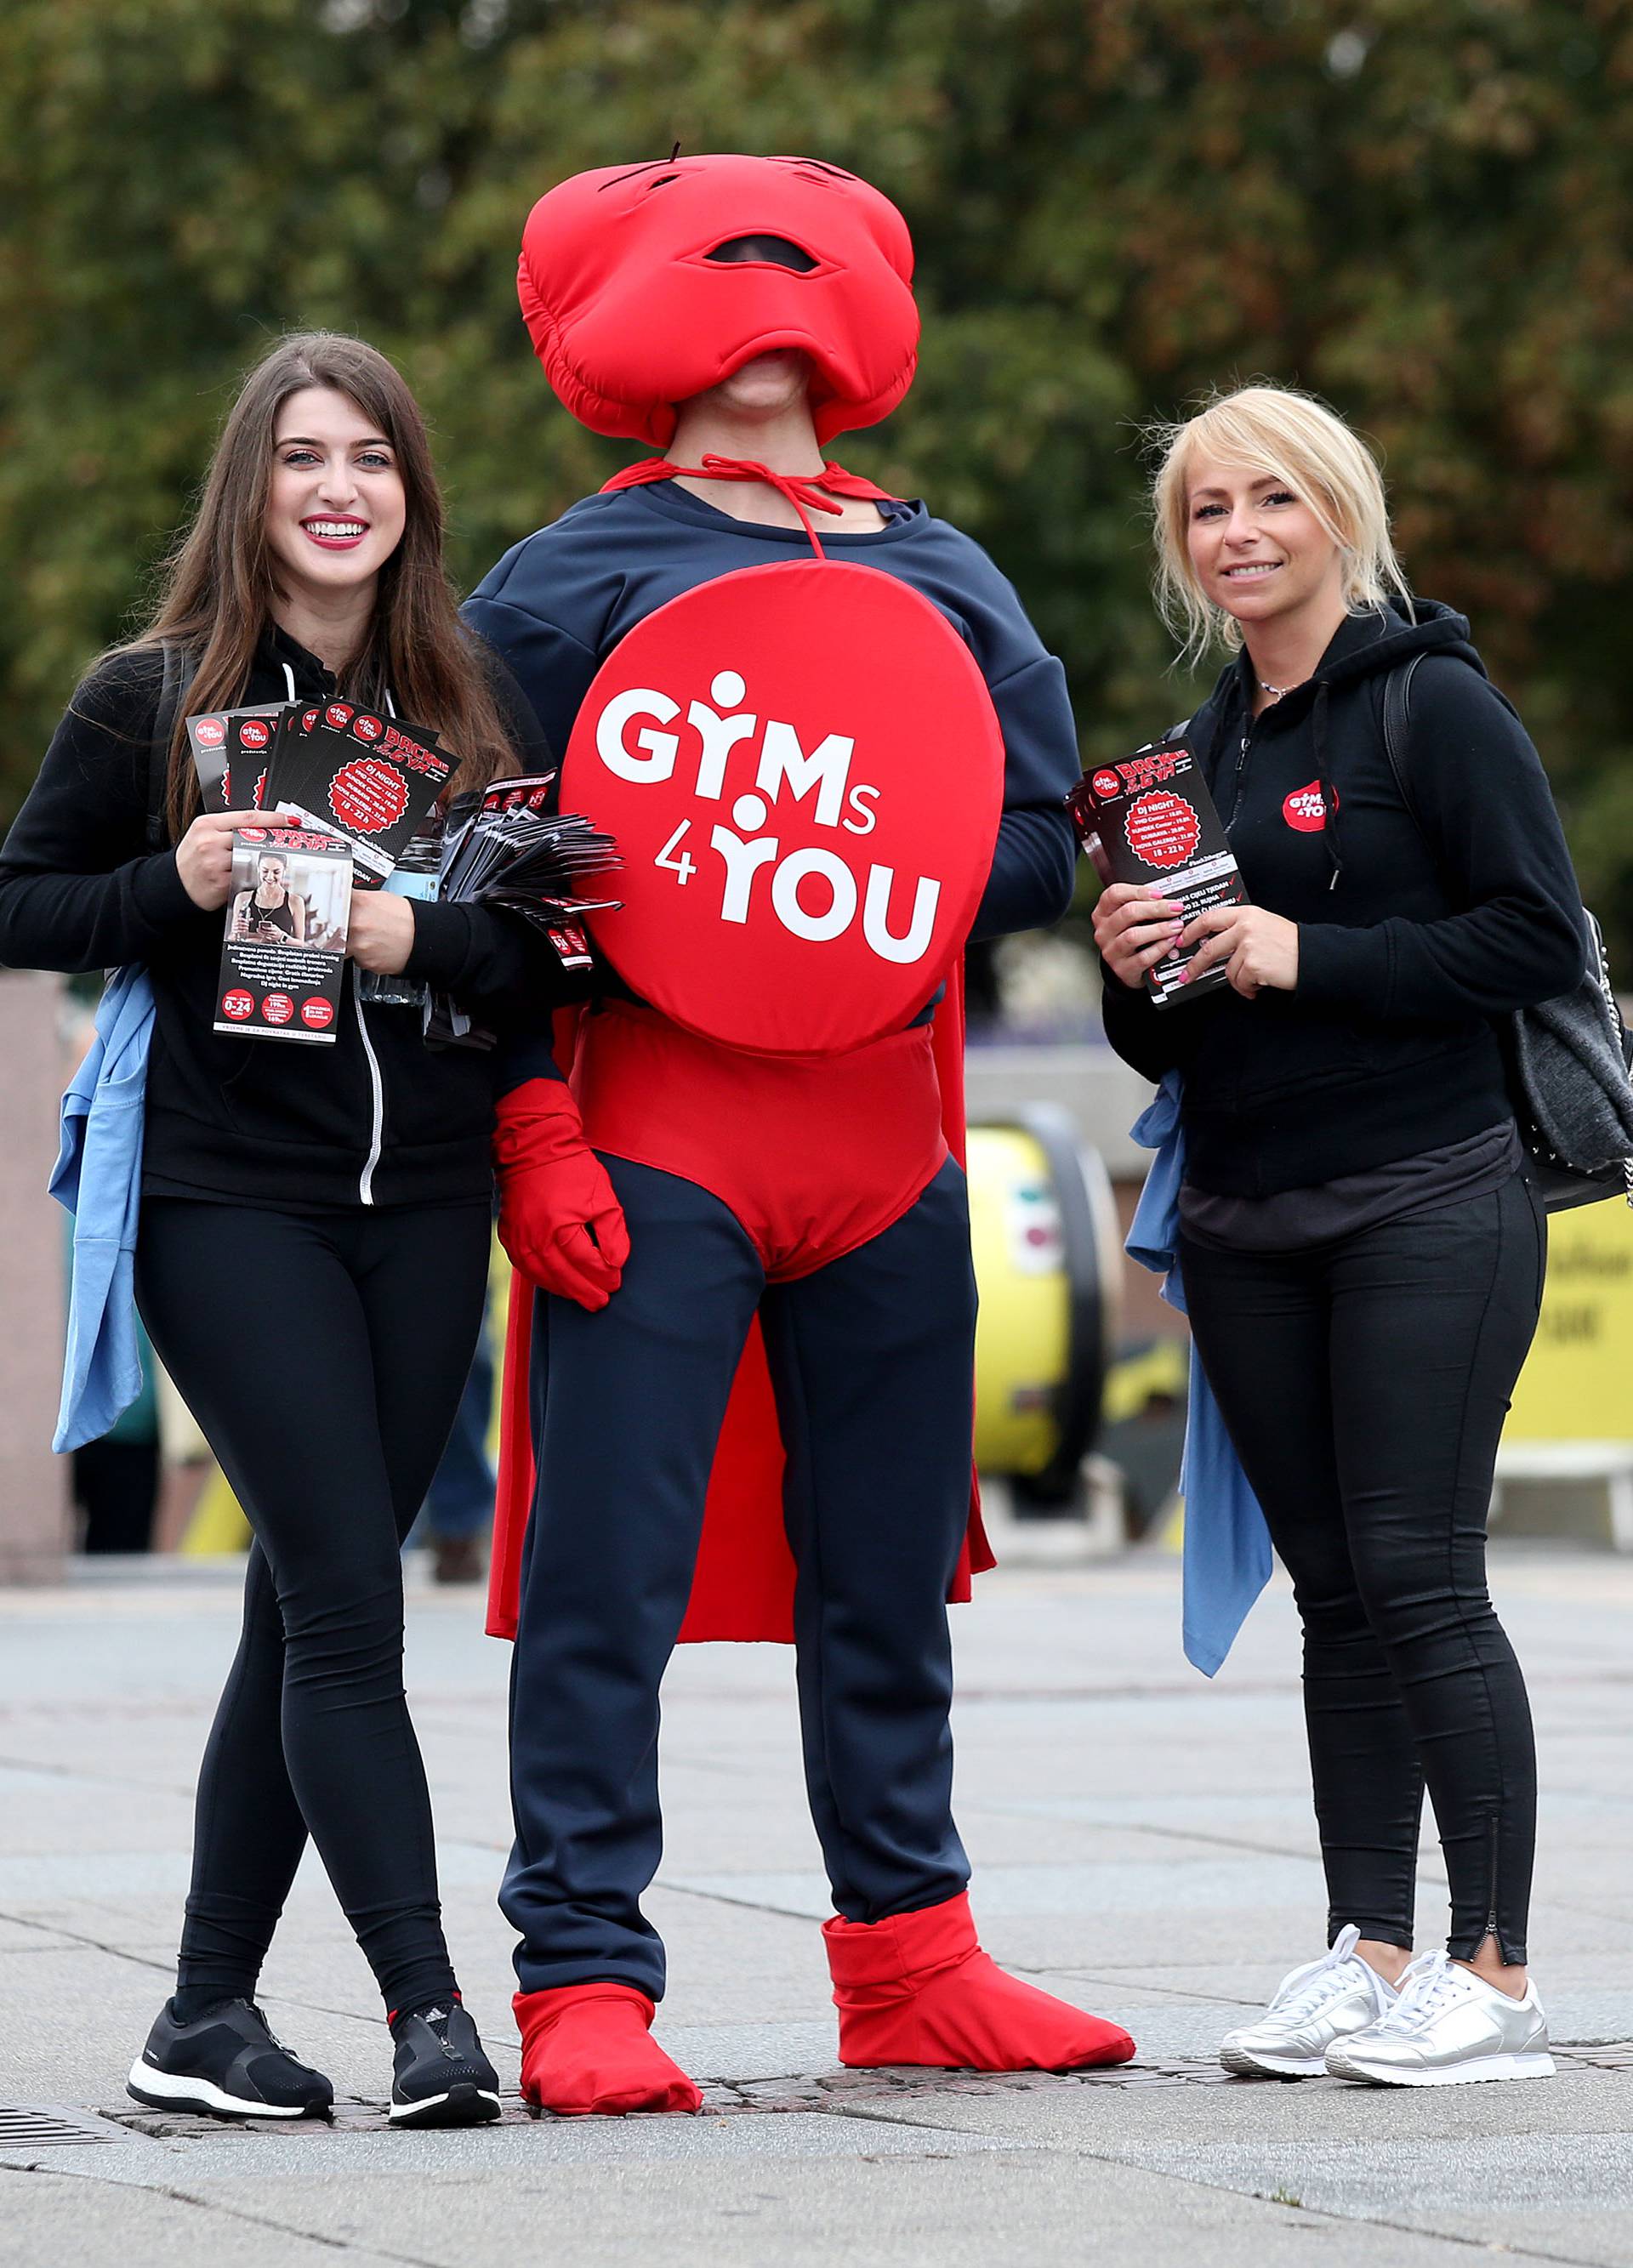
pixel 511 850
pixel 343 790
pixel 1150 820
pixel 506 847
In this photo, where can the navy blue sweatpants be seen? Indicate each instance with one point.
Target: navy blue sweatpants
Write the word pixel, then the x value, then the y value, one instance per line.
pixel 872 1361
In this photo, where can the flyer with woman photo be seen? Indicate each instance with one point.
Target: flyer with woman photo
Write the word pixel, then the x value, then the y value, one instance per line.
pixel 286 935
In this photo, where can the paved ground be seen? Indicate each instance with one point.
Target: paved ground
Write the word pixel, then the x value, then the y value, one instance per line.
pixel 1143 1844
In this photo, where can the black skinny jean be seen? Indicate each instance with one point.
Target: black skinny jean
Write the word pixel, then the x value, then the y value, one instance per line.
pixel 323 1354
pixel 1364 1384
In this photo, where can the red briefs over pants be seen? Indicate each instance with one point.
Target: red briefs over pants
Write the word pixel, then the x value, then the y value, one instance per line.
pixel 813 1157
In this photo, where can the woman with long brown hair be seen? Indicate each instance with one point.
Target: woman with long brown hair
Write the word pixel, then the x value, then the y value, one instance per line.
pixel 352 1182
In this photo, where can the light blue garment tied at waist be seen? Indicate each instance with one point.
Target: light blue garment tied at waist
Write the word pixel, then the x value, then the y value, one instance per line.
pixel 98 1177
pixel 1227 1557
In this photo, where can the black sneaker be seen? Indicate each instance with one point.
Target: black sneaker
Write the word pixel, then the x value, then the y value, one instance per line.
pixel 226 2064
pixel 440 2076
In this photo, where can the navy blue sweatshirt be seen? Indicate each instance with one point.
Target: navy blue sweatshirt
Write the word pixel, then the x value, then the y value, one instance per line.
pixel 558 602
pixel 1412 941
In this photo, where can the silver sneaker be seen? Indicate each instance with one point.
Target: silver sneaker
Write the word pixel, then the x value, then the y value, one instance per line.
pixel 1325 2002
pixel 1447 2026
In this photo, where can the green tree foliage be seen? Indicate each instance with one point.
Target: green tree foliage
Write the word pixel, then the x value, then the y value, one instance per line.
pixel 1421 213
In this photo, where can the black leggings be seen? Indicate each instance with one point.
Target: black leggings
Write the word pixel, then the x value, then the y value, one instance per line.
pixel 1364 1385
pixel 323 1354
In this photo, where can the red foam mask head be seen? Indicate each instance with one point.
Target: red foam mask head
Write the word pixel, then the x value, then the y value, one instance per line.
pixel 631 310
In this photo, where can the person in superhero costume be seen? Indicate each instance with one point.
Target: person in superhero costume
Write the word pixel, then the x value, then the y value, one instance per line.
pixel 740 1404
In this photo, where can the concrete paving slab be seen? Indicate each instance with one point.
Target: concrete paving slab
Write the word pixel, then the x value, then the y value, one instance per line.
pixel 1509 2193
pixel 25 1937
pixel 931 2209
pixel 526 2146
pixel 1145 1846
pixel 78 2022
pixel 1486 2174
pixel 106 1877
pixel 1212 1884
pixel 1582 2013
pixel 53 2216
pixel 752 2051
pixel 1593 2239
pixel 1198 2109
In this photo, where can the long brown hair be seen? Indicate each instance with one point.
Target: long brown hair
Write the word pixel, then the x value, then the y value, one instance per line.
pixel 218 584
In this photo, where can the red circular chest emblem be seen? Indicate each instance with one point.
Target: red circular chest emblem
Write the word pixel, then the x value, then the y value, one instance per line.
pixel 1163 829
pixel 802 769
pixel 1305 809
pixel 368 796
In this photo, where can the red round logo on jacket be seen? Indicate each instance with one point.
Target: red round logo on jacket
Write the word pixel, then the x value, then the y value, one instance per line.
pixel 1163 829
pixel 1305 809
pixel 804 771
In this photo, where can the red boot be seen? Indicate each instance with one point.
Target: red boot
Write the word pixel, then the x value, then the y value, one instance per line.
pixel 917 1989
pixel 586 2049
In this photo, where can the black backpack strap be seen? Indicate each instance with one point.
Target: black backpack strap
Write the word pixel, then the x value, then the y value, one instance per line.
pixel 179 666
pixel 1397 732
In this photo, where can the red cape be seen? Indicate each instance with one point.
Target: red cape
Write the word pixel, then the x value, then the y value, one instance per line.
pixel 743 1587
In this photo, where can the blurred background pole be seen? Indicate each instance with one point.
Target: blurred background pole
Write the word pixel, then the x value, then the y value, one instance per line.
pixel 34 1484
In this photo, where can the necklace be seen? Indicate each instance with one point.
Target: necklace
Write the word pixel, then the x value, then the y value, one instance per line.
pixel 1279 692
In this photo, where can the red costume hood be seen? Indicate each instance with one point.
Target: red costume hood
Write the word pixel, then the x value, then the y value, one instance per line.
pixel 630 315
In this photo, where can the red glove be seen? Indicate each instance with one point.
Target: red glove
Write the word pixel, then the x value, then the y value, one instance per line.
pixel 559 1220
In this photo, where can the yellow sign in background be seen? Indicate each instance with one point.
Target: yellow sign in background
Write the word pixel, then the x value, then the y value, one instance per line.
pixel 1578 1381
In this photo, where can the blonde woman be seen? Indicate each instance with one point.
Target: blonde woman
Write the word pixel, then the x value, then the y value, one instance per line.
pixel 1362 1253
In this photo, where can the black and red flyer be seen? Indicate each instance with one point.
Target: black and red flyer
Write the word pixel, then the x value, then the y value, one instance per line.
pixel 1150 819
pixel 284 949
pixel 511 850
pixel 231 749
pixel 349 771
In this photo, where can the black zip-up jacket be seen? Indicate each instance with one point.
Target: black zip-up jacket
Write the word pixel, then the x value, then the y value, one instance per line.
pixel 1411 941
pixel 376 1119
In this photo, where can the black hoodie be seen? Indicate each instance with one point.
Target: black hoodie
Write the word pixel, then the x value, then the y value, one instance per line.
pixel 377 1118
pixel 1411 941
